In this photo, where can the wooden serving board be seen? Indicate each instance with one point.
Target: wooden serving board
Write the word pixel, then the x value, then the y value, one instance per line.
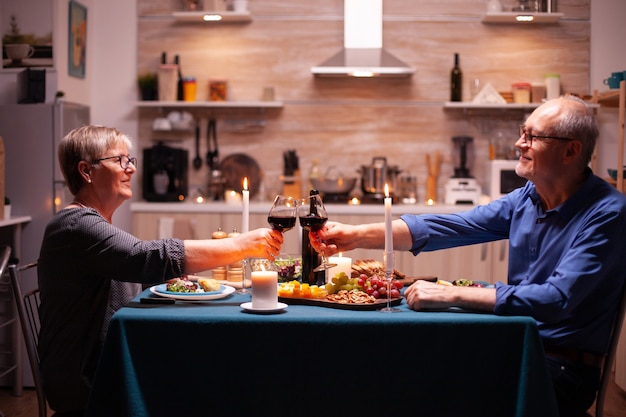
pixel 321 302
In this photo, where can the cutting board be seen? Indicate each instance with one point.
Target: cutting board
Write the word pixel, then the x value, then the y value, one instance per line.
pixel 321 302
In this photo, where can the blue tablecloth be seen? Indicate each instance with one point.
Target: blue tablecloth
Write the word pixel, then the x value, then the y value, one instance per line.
pixel 213 359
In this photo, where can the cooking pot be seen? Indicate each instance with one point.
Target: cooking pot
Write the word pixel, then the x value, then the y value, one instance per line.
pixel 333 183
pixel 375 176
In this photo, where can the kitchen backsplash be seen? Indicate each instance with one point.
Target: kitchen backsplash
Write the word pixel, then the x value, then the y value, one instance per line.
pixel 345 122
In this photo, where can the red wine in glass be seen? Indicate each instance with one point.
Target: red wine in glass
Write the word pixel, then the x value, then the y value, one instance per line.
pixel 282 224
pixel 282 215
pixel 313 222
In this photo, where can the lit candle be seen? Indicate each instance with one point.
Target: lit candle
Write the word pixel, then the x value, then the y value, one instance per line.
pixel 264 289
pixel 344 264
pixel 388 233
pixel 245 222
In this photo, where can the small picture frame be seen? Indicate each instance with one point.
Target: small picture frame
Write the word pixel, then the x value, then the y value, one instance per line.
pixel 77 40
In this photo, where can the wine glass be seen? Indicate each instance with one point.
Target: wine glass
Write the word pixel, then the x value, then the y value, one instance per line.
pixel 313 217
pixel 282 215
pixel 389 286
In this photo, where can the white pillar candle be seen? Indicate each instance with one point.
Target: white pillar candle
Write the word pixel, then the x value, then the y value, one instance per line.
pixel 344 264
pixel 388 234
pixel 245 221
pixel 264 289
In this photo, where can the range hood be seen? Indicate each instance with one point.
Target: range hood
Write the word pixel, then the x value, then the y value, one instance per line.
pixel 363 54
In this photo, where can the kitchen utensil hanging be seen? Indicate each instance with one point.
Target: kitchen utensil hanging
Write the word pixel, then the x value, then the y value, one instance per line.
pixel 197 161
pixel 212 156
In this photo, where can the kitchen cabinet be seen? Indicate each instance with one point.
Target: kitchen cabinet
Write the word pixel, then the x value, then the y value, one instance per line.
pixel 156 225
pixel 484 262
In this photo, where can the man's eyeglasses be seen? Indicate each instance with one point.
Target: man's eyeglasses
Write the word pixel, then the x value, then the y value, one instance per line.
pixel 124 160
pixel 528 137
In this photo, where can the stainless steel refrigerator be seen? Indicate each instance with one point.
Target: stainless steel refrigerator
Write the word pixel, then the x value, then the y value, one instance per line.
pixel 33 179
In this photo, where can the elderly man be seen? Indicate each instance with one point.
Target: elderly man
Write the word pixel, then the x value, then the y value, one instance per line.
pixel 567 240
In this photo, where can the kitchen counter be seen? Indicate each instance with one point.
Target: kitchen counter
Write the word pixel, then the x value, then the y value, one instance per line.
pixel 264 207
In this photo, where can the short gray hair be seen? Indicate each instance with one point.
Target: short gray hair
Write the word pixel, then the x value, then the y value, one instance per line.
pixel 86 143
pixel 577 122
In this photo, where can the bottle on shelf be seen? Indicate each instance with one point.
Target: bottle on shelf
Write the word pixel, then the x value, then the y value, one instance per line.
pixel 456 81
pixel 179 91
pixel 310 258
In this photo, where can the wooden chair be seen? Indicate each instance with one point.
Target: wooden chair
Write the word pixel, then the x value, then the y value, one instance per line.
pixel 610 357
pixel 5 254
pixel 28 312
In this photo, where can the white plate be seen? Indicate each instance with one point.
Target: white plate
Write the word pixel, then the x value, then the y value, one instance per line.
pixel 248 307
pixel 161 290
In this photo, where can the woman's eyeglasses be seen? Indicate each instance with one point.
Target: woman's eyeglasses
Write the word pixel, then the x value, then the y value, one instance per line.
pixel 529 137
pixel 124 160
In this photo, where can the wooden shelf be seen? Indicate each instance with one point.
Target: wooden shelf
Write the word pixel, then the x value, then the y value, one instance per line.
pixel 211 104
pixel 609 98
pixel 468 105
pixel 212 17
pixel 528 18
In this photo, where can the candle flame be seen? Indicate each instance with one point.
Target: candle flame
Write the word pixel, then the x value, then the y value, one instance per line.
pixel 245 183
pixel 430 202
pixel 341 254
pixel 386 190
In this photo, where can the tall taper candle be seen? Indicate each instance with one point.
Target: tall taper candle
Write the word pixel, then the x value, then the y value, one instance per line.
pixel 388 233
pixel 245 221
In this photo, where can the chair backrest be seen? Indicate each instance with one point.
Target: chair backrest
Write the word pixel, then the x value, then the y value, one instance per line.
pixel 28 311
pixel 610 357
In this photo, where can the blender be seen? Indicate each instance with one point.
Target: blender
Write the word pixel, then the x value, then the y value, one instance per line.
pixel 462 188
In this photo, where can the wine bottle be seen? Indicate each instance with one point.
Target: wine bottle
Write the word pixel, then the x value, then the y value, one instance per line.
pixel 456 81
pixel 310 258
pixel 179 93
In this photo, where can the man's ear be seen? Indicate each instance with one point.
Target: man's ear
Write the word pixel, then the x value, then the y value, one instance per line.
pixel 573 150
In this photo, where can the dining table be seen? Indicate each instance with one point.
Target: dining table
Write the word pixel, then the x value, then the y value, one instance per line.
pixel 216 358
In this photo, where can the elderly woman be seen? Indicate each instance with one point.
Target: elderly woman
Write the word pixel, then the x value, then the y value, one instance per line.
pixel 88 268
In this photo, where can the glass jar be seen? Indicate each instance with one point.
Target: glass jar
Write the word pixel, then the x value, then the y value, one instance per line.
pixel 521 93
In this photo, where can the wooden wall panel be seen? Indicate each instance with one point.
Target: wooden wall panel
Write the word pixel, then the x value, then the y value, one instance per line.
pixel 345 122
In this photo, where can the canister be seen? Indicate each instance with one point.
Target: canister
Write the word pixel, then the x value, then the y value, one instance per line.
pixel 218 90
pixel 190 89
pixel 521 93
pixel 553 85
pixel 538 93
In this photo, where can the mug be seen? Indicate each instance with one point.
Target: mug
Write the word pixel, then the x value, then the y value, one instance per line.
pixel 614 80
pixel 18 51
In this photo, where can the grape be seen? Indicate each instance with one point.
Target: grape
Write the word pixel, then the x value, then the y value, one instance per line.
pixel 376 286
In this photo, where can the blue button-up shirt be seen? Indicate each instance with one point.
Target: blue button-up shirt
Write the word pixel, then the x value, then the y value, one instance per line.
pixel 567 266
